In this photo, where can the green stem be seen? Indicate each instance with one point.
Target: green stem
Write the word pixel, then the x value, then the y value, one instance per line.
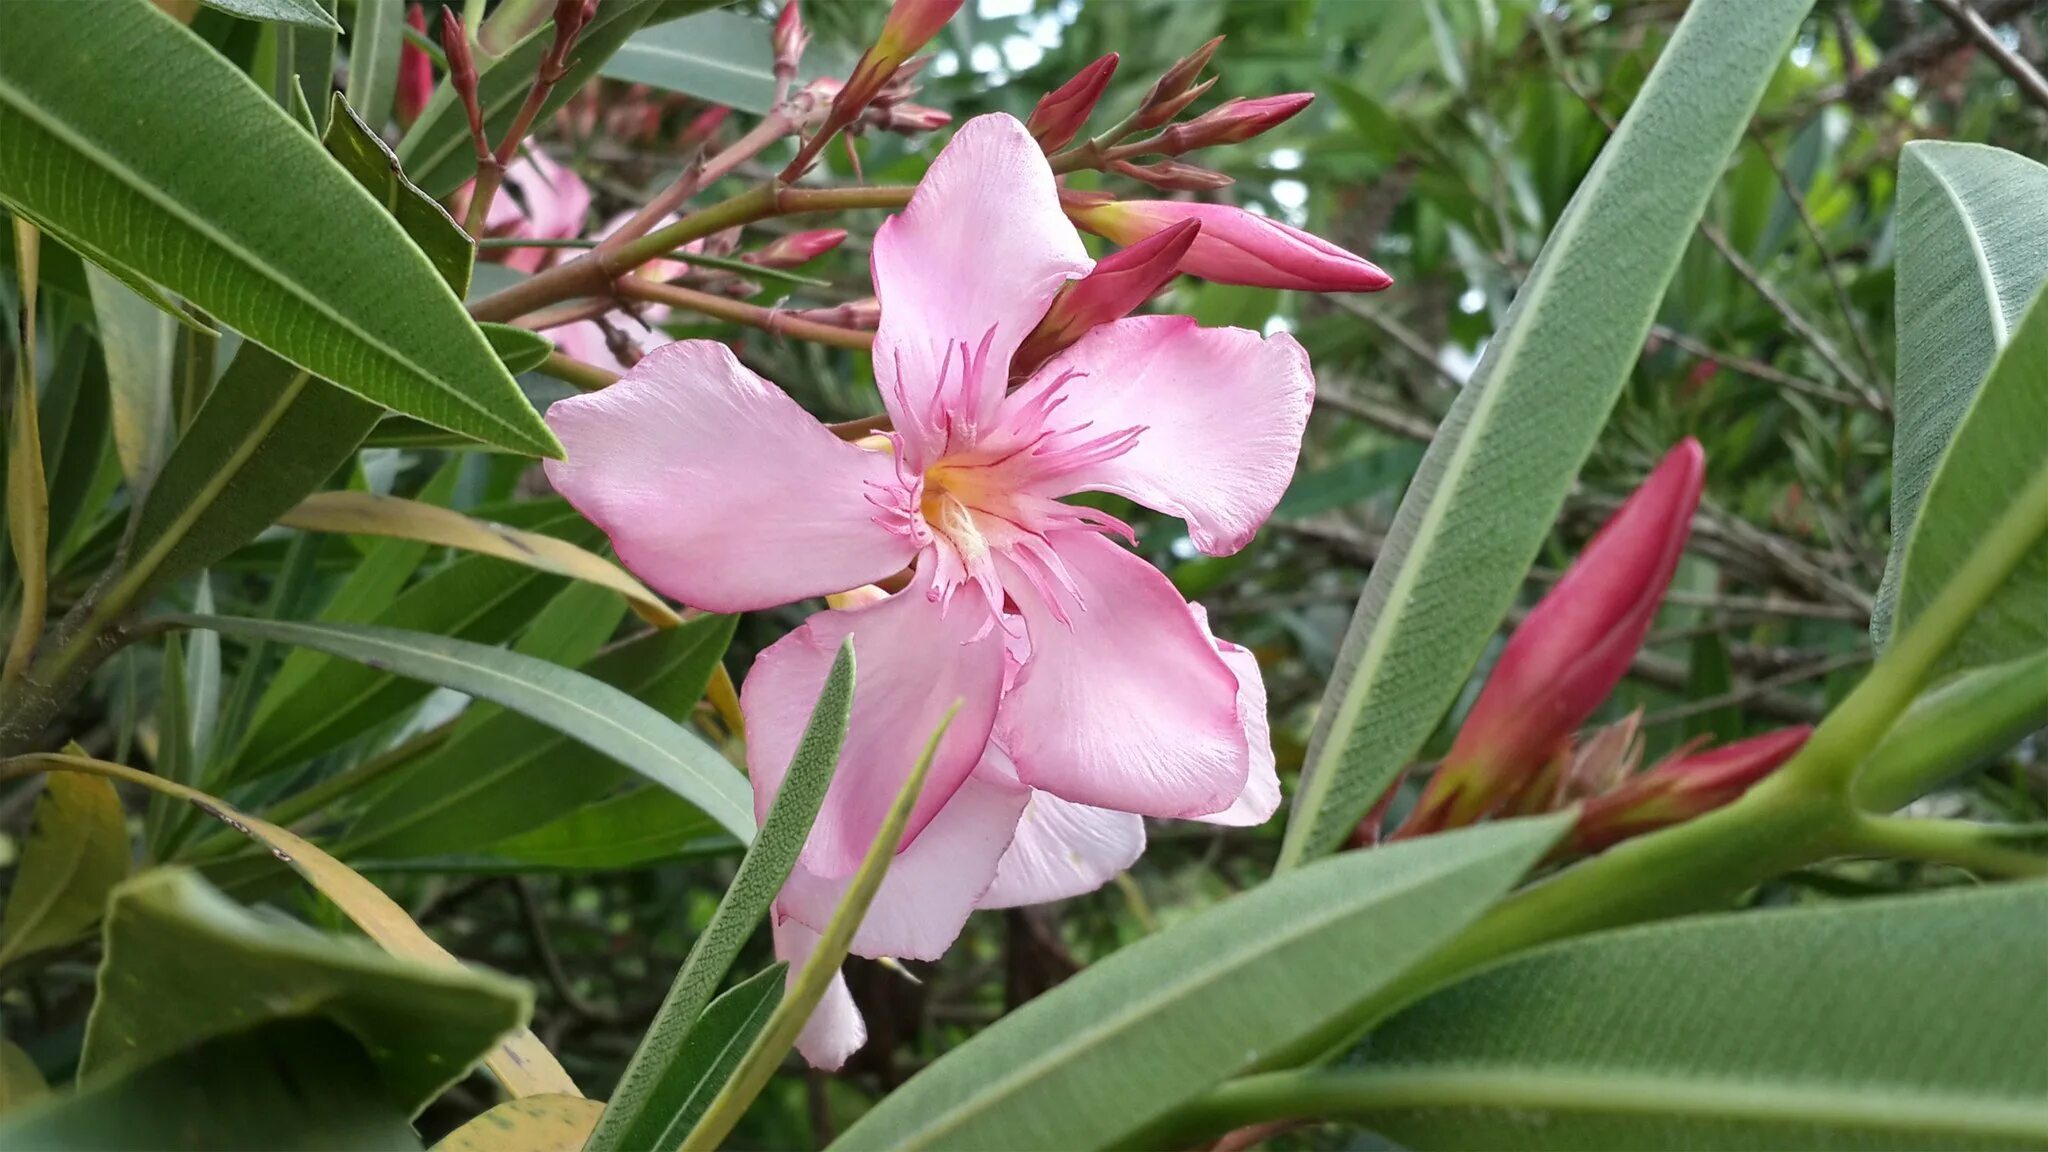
pixel 592 273
pixel 1368 1094
pixel 1987 849
pixel 1845 739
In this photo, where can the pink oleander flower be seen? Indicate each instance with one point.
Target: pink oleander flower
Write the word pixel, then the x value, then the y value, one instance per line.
pixel 1090 693
pixel 1569 653
pixel 1236 246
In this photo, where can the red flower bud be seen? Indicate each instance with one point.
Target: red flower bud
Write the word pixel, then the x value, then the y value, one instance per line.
pixel 1233 122
pixel 1235 247
pixel 1173 176
pixel 703 127
pixel 797 248
pixel 1570 652
pixel 415 71
pixel 1119 283
pixel 790 39
pixel 462 76
pixel 1164 101
pixel 908 119
pixel 1064 111
pixel 1680 789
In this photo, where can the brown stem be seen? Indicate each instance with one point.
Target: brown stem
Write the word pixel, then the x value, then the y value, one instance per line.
pixel 592 273
pixel 740 312
pixel 1974 25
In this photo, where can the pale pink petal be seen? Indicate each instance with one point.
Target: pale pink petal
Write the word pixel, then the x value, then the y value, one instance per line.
pixel 1261 795
pixel 552 205
pixel 1128 706
pixel 963 274
pixel 1063 849
pixel 717 489
pixel 1221 413
pixel 911 663
pixel 932 885
pixel 834 1030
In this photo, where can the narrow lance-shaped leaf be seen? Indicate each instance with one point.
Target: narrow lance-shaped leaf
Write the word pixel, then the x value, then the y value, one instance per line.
pixel 183 964
pixel 1973 250
pixel 250 220
pixel 367 514
pixel 648 1107
pixel 521 1063
pixel 309 13
pixel 138 340
pixel 1716 1033
pixel 1133 1037
pixel 28 495
pixel 1504 457
pixel 597 714
pixel 801 998
pixel 438 151
pixel 373 44
pixel 76 851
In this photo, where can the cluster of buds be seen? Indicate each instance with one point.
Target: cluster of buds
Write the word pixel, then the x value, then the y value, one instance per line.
pixel 1518 751
pixel 882 79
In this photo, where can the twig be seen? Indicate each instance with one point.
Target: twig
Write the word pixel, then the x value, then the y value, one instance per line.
pixel 1792 317
pixel 1759 370
pixel 2009 62
pixel 1850 318
pixel 1403 335
pixel 1755 691
pixel 740 312
pixel 550 960
pixel 1383 416
pixel 1918 52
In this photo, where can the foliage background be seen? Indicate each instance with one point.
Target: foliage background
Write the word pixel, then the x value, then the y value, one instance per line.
pixel 1446 139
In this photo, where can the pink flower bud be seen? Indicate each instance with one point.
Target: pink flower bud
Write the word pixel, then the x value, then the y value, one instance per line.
pixel 1119 283
pixel 911 24
pixel 415 71
pixel 1064 111
pixel 908 119
pixel 1173 176
pixel 1233 122
pixel 703 127
pixel 1570 652
pixel 797 248
pixel 1165 100
pixel 462 76
pixel 1235 247
pixel 1680 789
pixel 790 39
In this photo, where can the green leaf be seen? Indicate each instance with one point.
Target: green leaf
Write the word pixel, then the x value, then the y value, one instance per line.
pixel 74 422
pixel 597 714
pixel 305 69
pixel 76 851
pixel 368 514
pixel 1954 727
pixel 720 57
pixel 21 1082
pixel 318 703
pixel 1497 472
pixel 528 1124
pixel 305 12
pixel 776 1038
pixel 506 774
pixel 374 39
pixel 1119 1046
pixel 185 964
pixel 1845 1026
pixel 1973 251
pixel 728 1028
pixel 438 152
pixel 521 349
pixel 268 434
pixel 138 340
pixel 437 234
pixel 656 1090
pixel 302 1085
pixel 174 760
pixel 627 831
pixel 248 218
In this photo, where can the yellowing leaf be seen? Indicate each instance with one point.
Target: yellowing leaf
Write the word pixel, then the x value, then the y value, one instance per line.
pixel 77 851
